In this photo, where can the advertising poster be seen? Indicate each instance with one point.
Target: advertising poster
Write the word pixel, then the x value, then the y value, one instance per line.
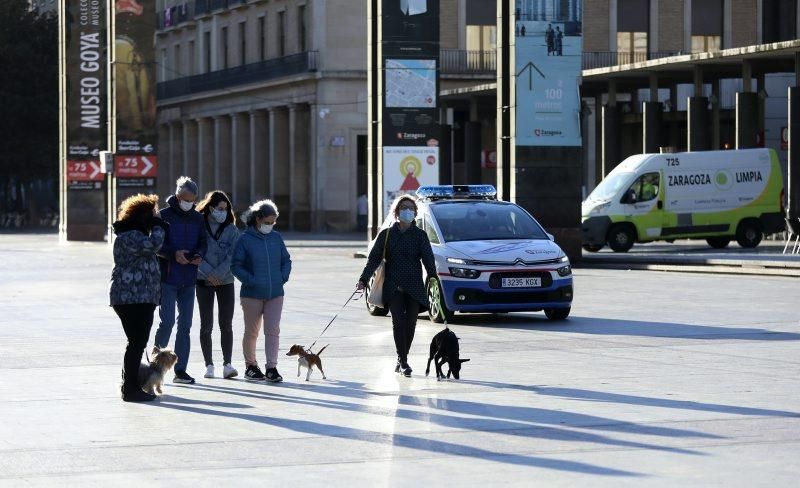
pixel 85 69
pixel 134 77
pixel 405 169
pixel 549 45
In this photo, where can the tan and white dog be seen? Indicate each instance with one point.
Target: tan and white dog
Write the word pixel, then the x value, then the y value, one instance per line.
pixel 307 359
pixel 151 376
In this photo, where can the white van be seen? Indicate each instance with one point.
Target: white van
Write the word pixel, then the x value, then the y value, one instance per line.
pixel 711 195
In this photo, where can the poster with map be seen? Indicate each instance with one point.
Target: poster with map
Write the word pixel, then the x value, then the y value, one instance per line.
pixel 411 83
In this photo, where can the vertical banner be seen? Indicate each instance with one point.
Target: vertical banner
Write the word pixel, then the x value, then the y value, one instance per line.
pixel 85 66
pixel 409 96
pixel 549 48
pixel 135 132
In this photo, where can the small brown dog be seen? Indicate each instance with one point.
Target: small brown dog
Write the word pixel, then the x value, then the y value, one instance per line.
pixel 307 359
pixel 151 376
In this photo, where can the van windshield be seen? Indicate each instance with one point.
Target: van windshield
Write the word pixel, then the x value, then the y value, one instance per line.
pixel 610 186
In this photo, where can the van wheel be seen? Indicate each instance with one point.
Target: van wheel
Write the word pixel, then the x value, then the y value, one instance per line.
pixel 621 238
pixel 437 310
pixel 592 248
pixel 372 309
pixel 749 234
pixel 557 313
pixel 718 242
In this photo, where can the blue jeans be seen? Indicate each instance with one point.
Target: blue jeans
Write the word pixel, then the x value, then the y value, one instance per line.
pixel 184 296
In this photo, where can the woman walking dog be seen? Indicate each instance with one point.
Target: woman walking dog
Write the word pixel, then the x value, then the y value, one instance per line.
pixel 403 289
pixel 136 282
pixel 214 278
pixel 263 265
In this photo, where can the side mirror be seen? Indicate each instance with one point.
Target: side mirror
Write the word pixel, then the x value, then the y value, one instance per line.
pixel 551 236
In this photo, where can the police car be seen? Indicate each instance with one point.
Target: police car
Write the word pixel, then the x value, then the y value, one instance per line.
pixel 491 256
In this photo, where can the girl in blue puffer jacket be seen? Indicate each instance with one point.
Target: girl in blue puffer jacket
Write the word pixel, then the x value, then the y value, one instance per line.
pixel 262 263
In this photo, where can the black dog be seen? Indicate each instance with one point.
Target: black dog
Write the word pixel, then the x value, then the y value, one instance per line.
pixel 444 348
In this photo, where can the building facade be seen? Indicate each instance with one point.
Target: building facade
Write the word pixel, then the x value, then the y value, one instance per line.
pixel 267 98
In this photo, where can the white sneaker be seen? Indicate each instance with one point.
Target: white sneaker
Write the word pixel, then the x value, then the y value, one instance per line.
pixel 209 371
pixel 229 371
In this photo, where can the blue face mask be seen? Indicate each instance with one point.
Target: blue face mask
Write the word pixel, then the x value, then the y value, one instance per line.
pixel 407 215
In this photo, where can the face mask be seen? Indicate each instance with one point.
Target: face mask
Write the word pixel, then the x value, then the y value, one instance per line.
pixel 219 215
pixel 186 206
pixel 265 228
pixel 407 215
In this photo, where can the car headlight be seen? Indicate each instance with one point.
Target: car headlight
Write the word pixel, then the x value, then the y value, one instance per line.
pixel 598 208
pixel 564 271
pixel 564 259
pixel 458 261
pixel 465 273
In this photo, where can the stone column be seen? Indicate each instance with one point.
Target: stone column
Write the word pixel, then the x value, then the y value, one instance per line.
pixel 746 120
pixel 205 155
pixel 472 145
pixel 651 125
pixel 172 160
pixel 240 160
pixel 281 149
pixel 190 144
pixel 698 135
pixel 302 174
pixel 793 161
pixel 260 178
pixel 292 164
pixel 222 153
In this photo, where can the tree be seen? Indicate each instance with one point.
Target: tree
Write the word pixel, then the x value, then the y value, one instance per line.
pixel 28 93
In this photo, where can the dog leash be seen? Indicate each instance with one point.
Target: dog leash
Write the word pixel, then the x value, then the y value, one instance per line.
pixel 352 298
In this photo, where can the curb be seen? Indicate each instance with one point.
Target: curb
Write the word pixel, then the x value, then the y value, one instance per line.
pixel 789 269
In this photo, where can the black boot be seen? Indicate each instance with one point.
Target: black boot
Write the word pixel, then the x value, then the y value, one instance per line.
pixel 134 393
pixel 397 368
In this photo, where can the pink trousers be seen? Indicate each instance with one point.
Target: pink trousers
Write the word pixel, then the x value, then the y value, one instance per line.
pixel 255 312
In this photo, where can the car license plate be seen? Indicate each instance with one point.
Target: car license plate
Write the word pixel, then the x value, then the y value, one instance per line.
pixel 521 282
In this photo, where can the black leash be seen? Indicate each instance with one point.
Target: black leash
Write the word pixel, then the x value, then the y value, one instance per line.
pixel 352 298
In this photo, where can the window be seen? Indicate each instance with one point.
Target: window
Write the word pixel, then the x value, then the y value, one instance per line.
pixel 706 43
pixel 163 70
pixel 431 231
pixel 176 65
pixel 190 60
pixel 470 221
pixel 779 20
pixel 207 51
pixel 224 47
pixel 242 42
pixel 633 25
pixel 644 189
pixel 707 22
pixel 262 38
pixel 282 33
pixel 481 38
pixel 301 14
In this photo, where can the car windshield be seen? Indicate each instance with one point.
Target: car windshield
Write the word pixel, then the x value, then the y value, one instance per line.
pixel 610 186
pixel 482 221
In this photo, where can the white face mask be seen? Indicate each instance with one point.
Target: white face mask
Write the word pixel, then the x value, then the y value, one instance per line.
pixel 219 215
pixel 186 206
pixel 265 228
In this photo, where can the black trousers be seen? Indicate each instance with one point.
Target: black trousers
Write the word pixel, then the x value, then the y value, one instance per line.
pixel 226 298
pixel 404 310
pixel 137 320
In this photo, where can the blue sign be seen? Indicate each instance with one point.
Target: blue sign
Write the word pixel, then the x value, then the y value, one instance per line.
pixel 549 47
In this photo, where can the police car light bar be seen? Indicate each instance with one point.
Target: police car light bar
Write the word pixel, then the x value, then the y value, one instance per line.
pixel 441 192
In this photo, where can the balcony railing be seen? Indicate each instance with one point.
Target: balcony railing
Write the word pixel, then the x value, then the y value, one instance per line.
pixel 460 62
pixel 592 60
pixel 240 75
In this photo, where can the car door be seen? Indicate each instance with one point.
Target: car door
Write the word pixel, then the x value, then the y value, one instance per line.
pixel 642 205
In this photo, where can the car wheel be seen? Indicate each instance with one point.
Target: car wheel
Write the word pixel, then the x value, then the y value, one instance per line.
pixel 557 313
pixel 372 309
pixel 718 242
pixel 749 234
pixel 621 238
pixel 592 248
pixel 437 310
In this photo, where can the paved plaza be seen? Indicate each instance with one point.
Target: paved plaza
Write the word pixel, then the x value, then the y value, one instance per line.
pixel 657 379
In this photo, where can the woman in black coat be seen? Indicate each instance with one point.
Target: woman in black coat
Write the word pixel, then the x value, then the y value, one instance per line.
pixel 404 291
